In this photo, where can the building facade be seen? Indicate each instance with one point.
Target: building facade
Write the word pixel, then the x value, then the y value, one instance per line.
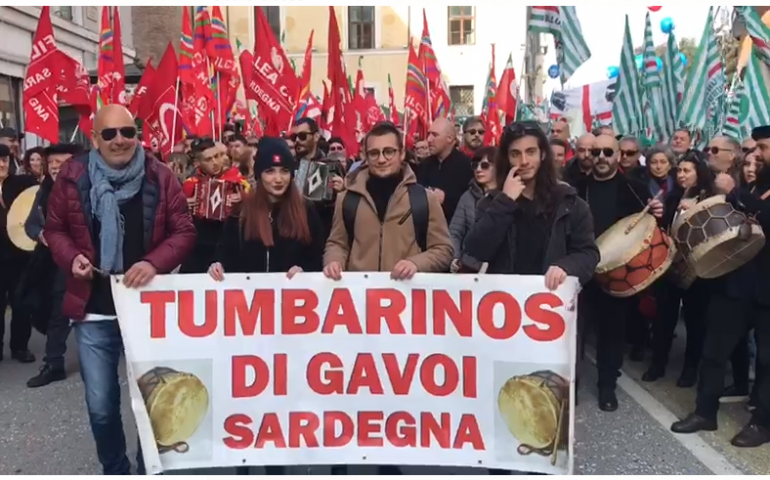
pixel 76 30
pixel 378 37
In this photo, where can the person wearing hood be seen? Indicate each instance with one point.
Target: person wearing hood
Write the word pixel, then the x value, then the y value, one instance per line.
pixel 483 163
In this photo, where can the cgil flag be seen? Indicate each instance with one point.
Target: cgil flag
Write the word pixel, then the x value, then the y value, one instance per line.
pixel 627 107
pixel 562 22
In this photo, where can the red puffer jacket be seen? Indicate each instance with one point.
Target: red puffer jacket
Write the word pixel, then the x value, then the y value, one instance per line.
pixel 169 235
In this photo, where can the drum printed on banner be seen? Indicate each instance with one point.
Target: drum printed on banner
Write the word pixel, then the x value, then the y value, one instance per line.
pixel 531 408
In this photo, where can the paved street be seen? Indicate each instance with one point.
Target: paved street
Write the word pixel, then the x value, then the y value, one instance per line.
pixel 45 431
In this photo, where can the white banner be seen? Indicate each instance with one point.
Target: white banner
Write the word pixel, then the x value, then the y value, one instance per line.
pixel 449 370
pixel 585 107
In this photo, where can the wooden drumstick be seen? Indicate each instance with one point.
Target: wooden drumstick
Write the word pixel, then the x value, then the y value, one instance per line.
pixel 641 215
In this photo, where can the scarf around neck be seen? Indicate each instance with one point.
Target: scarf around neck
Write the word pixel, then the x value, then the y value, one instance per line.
pixel 111 188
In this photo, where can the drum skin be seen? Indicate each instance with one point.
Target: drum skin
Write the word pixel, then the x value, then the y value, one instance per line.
pixel 714 238
pixel 530 406
pixel 631 262
pixel 176 402
pixel 17 217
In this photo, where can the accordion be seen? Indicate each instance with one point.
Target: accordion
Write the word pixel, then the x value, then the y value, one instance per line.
pixel 314 179
pixel 212 199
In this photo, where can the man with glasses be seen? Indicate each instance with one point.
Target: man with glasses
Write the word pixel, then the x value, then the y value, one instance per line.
pixel 112 210
pixel 610 196
pixel 473 136
pixel 630 154
pixel 722 154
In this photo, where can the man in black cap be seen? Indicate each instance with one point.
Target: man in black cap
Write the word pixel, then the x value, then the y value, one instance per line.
pixel 9 137
pixel 741 298
pixel 42 291
pixel 12 261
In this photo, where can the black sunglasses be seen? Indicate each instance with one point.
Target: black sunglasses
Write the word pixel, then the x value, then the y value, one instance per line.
pixel 302 136
pixel 715 150
pixel 747 150
pixel 108 134
pixel 629 153
pixel 608 152
pixel 474 131
pixel 483 164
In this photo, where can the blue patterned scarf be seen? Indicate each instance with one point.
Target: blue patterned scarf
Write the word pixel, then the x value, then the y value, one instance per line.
pixel 111 188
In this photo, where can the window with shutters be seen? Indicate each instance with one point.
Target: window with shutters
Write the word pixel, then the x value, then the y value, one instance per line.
pixel 360 28
pixel 10 102
pixel 462 99
pixel 273 15
pixel 462 25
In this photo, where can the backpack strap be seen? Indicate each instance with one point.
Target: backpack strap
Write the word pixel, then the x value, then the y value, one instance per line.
pixel 418 201
pixel 349 208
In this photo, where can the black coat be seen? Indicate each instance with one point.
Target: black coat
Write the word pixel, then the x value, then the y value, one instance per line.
pixel 238 255
pixel 451 176
pixel 633 195
pixel 571 243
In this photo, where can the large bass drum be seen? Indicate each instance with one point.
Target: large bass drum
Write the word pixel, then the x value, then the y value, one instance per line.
pixel 715 238
pixel 632 260
pixel 17 217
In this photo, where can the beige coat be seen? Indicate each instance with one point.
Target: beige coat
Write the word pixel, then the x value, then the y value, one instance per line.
pixel 378 247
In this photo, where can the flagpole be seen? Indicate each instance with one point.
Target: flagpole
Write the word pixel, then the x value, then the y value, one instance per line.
pixel 176 113
pixel 219 104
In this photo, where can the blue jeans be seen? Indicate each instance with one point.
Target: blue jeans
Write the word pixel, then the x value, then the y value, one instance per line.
pixel 99 350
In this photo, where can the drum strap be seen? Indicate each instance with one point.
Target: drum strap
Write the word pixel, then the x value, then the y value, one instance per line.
pixel 765 195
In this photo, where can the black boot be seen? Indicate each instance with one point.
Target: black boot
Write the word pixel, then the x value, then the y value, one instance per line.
pixel 637 353
pixel 48 374
pixel 653 373
pixel 693 423
pixel 751 436
pixel 23 356
pixel 608 401
pixel 688 377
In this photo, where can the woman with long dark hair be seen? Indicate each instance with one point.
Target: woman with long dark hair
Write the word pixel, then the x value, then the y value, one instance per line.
pixel 34 163
pixel 694 182
pixel 276 230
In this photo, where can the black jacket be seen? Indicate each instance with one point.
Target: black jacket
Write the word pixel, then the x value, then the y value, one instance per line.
pixel 572 174
pixel 451 176
pixel 633 195
pixel 238 255
pixel 571 244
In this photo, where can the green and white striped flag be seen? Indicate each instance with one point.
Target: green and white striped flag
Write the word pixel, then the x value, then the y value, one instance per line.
pixel 562 22
pixel 651 89
pixel 733 124
pixel 627 107
pixel 757 97
pixel 673 86
pixel 705 85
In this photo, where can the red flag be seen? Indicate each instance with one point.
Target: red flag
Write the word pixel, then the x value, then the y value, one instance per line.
pixel 508 91
pixel 342 114
pixel 359 105
pixel 203 97
pixel 326 105
pixel 41 110
pixel 106 66
pixel 246 60
pixel 164 119
pixel 187 78
pixel 74 89
pixel 374 113
pixel 119 69
pixel 139 106
pixel 415 100
pixel 273 81
pixel 491 114
pixel 224 64
pixel 392 103
pixel 439 93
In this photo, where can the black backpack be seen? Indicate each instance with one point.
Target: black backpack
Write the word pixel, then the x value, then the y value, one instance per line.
pixel 418 202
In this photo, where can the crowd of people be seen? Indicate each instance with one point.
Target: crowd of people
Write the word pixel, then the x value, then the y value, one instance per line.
pixel 535 204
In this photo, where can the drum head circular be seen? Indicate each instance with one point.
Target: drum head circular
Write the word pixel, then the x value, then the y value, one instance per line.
pixel 617 247
pixel 17 216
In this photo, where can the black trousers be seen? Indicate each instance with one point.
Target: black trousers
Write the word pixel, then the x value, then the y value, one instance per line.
pixel 637 325
pixel 694 302
pixel 58 326
pixel 728 322
pixel 21 326
pixel 607 315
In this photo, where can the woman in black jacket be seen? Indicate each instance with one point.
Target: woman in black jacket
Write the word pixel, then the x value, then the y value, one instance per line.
pixel 276 230
pixel 694 183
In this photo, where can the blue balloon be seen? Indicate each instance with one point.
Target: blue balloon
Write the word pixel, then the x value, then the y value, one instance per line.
pixel 667 25
pixel 553 71
pixel 613 72
pixel 639 61
pixel 659 63
pixel 683 59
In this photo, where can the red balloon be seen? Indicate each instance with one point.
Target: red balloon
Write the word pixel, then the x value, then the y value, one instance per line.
pixel 654 9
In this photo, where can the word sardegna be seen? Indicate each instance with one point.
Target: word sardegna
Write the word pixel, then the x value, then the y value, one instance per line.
pixel 352 313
